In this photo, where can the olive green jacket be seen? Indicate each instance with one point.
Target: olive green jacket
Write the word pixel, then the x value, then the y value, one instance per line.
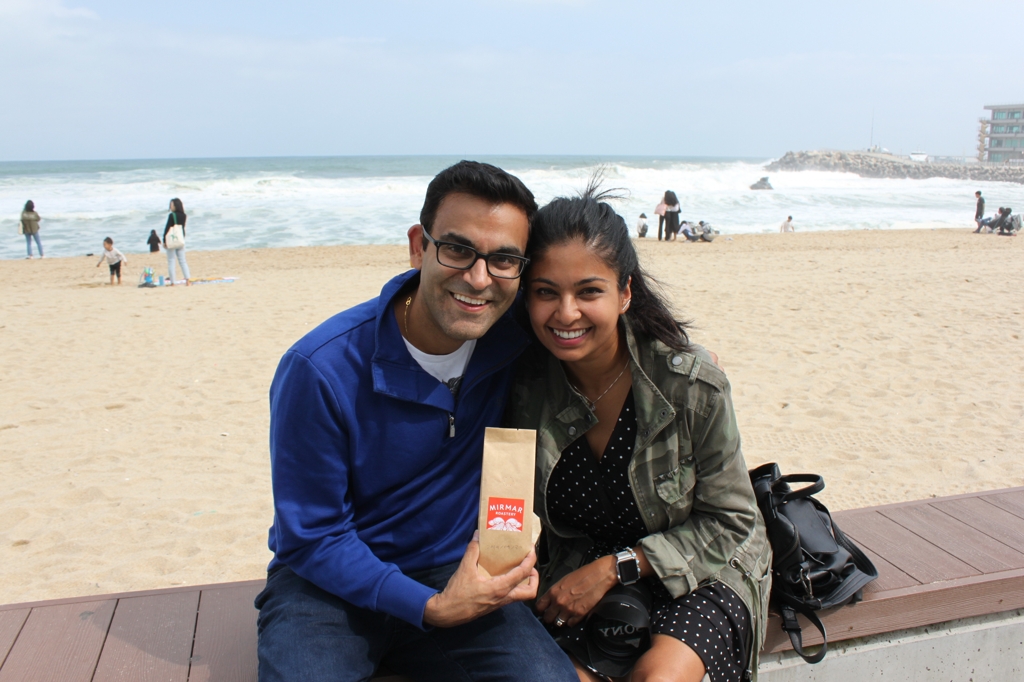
pixel 687 473
pixel 29 222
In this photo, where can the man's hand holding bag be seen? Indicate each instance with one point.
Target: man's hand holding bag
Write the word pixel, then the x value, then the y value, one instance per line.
pixel 498 566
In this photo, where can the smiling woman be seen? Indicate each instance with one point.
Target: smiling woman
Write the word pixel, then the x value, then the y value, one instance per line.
pixel 577 320
pixel 641 485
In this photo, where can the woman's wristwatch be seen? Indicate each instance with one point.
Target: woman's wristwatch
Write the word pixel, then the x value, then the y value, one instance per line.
pixel 627 566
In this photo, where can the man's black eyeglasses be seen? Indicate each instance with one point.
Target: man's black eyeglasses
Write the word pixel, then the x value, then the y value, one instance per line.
pixel 462 257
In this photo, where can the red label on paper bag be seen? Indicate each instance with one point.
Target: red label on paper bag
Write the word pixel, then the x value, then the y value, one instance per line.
pixel 505 514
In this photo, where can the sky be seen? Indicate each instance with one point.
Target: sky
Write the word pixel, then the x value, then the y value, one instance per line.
pixel 113 79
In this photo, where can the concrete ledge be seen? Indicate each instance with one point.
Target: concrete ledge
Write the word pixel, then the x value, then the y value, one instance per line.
pixel 980 649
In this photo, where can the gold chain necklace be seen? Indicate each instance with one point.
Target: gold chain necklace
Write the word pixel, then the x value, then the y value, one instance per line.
pixel 592 404
pixel 405 318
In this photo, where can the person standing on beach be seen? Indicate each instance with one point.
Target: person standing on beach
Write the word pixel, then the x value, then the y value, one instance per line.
pixel 176 217
pixel 377 422
pixel 979 211
pixel 672 210
pixel 787 225
pixel 641 226
pixel 30 228
pixel 659 210
pixel 154 242
pixel 114 258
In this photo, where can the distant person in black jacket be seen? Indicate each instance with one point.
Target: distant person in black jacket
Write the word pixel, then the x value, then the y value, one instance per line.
pixel 154 242
pixel 1002 221
pixel 979 212
pixel 672 209
pixel 993 224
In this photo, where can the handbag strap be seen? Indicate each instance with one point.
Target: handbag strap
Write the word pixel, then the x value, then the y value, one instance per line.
pixel 816 481
pixel 792 627
pixel 860 559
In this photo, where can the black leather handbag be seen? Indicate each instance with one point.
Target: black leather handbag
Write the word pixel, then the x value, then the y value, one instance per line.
pixel 814 565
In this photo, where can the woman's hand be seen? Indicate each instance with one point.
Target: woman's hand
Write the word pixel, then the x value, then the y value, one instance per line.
pixel 573 597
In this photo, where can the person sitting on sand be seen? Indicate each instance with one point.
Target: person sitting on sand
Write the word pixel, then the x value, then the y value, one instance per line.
pixel 114 258
pixel 707 233
pixel 689 232
pixel 1003 222
pixel 154 242
pixel 992 224
pixel 985 223
pixel 377 422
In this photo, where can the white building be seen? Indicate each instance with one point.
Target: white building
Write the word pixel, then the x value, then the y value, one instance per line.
pixel 1005 133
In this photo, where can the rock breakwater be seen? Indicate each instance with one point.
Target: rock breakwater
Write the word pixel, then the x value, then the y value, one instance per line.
pixel 870 165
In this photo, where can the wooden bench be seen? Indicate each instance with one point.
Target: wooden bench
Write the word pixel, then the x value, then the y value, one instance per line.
pixel 938 560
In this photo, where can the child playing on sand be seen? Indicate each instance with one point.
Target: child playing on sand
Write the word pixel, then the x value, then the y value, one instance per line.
pixel 641 226
pixel 113 257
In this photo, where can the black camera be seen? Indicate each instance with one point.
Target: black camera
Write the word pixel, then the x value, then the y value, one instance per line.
pixel 617 631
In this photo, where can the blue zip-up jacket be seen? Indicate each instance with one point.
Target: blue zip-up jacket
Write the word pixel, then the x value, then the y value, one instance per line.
pixel 369 483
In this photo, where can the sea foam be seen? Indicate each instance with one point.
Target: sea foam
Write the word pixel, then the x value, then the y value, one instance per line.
pixel 251 203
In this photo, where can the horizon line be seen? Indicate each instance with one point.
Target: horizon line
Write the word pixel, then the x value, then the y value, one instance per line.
pixel 652 157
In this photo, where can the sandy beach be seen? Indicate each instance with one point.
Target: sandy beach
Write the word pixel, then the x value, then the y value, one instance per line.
pixel 133 422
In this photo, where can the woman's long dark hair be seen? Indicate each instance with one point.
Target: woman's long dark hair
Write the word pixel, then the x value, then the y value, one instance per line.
pixel 179 208
pixel 591 221
pixel 29 206
pixel 670 198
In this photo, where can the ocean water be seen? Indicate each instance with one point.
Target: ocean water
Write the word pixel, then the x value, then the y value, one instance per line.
pixel 272 202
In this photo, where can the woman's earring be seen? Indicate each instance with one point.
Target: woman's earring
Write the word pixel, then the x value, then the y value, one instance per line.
pixel 625 305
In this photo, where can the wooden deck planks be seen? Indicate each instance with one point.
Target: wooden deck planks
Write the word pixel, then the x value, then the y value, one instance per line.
pixel 974 532
pixel 910 553
pixel 59 643
pixel 225 644
pixel 984 517
pixel 11 623
pixel 889 577
pixel 938 560
pixel 1011 501
pixel 150 639
pixel 911 607
pixel 978 550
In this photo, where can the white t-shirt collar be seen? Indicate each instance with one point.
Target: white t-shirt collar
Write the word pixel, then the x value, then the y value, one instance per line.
pixel 444 368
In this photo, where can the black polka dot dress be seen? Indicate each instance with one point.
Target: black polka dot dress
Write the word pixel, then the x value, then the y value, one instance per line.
pixel 594 497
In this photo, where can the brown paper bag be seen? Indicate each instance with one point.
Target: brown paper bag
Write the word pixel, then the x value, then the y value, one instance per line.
pixel 507 523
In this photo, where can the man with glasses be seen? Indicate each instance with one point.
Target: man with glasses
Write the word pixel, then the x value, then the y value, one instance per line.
pixel 376 434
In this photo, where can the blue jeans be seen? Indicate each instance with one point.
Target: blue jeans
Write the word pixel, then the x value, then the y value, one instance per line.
pixel 181 259
pixel 311 635
pixel 28 244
